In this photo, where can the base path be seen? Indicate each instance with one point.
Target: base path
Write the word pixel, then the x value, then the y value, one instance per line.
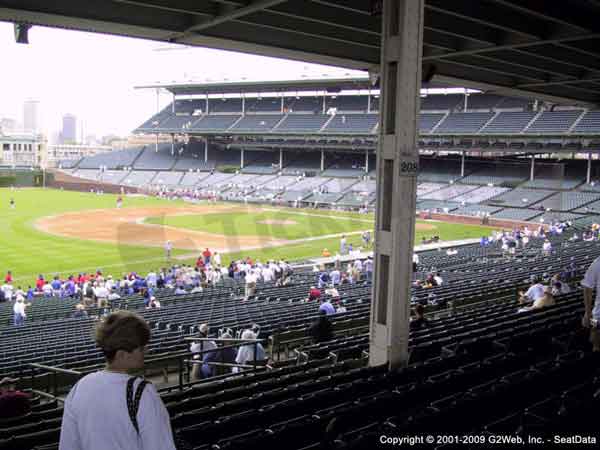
pixel 125 226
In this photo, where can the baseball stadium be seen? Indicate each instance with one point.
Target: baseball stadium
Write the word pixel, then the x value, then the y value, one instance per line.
pixel 409 257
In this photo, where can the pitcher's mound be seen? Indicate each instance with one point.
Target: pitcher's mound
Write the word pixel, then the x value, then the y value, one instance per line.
pixel 277 222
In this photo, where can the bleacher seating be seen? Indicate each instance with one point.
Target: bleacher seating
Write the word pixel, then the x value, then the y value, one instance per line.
pixel 449 192
pixel 425 188
pixel 589 123
pixel 534 368
pixel 151 159
pixel 191 179
pixel 112 160
pixel 554 122
pixel 214 123
pixel 111 176
pixel 139 178
pixel 568 201
pixel 309 123
pixel 191 156
pixel 177 123
pixel 516 214
pixel 257 122
pixel 436 205
pixel 475 210
pixel 153 122
pixel 521 197
pixel 464 122
pixel 352 123
pixel 172 179
pixel 509 122
pixel 498 175
pixel 427 122
pixel 481 194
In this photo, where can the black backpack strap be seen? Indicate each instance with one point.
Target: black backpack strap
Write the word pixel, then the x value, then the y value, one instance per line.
pixel 133 401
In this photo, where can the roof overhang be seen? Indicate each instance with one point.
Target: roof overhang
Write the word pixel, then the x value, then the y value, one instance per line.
pixel 546 49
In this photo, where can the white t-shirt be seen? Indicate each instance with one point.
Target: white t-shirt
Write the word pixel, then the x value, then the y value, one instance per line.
pixel 19 308
pixel 95 417
pixel 415 258
pixel 592 281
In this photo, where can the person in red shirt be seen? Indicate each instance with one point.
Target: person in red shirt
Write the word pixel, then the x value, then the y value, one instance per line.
pixel 8 278
pixel 39 283
pixel 200 263
pixel 207 254
pixel 314 293
pixel 13 403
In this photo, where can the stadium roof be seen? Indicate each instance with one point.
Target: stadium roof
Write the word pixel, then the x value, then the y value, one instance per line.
pixel 547 49
pixel 238 87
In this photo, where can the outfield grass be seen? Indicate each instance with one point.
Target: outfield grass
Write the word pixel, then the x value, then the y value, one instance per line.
pixel 28 251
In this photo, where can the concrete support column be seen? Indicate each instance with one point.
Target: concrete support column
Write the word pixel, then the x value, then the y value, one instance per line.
pixel 532 174
pixel 243 105
pixel 462 164
pixel 206 112
pixel 369 102
pixel 173 105
pixel 282 104
pixel 397 169
pixel 366 162
pixel 205 149
pixel 280 159
pixel 156 147
pixel 589 169
pixel 322 160
pixel 172 144
pixel 242 159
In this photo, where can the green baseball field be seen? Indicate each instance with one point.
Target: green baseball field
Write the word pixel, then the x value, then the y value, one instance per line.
pixel 62 232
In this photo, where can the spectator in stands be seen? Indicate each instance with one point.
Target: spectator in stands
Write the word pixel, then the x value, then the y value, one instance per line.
pixel 250 284
pixel 220 355
pixel 368 266
pixel 19 310
pixel 323 279
pixel 8 279
pixel 340 308
pixel 8 291
pixel 13 403
pixel 535 292
pixel 591 317
pixel 110 409
pixel 325 253
pixel 545 300
pixel 321 330
pixel 246 353
pixel 80 312
pixel 547 248
pixel 206 254
pixel 314 293
pixel 415 261
pixel 201 345
pixel 419 321
pixel 326 307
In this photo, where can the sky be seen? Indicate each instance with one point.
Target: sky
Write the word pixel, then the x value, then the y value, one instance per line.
pixel 93 76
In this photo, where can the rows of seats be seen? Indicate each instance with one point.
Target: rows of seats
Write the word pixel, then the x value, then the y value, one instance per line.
pixel 554 122
pixel 509 122
pixel 521 197
pixel 481 194
pixel 523 214
pixel 156 158
pixel 352 123
pixel 464 123
pixel 568 201
pixel 302 123
pixel 463 361
pixel 449 192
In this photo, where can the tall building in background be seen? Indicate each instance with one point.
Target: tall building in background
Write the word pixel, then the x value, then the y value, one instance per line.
pixel 69 129
pixel 32 116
